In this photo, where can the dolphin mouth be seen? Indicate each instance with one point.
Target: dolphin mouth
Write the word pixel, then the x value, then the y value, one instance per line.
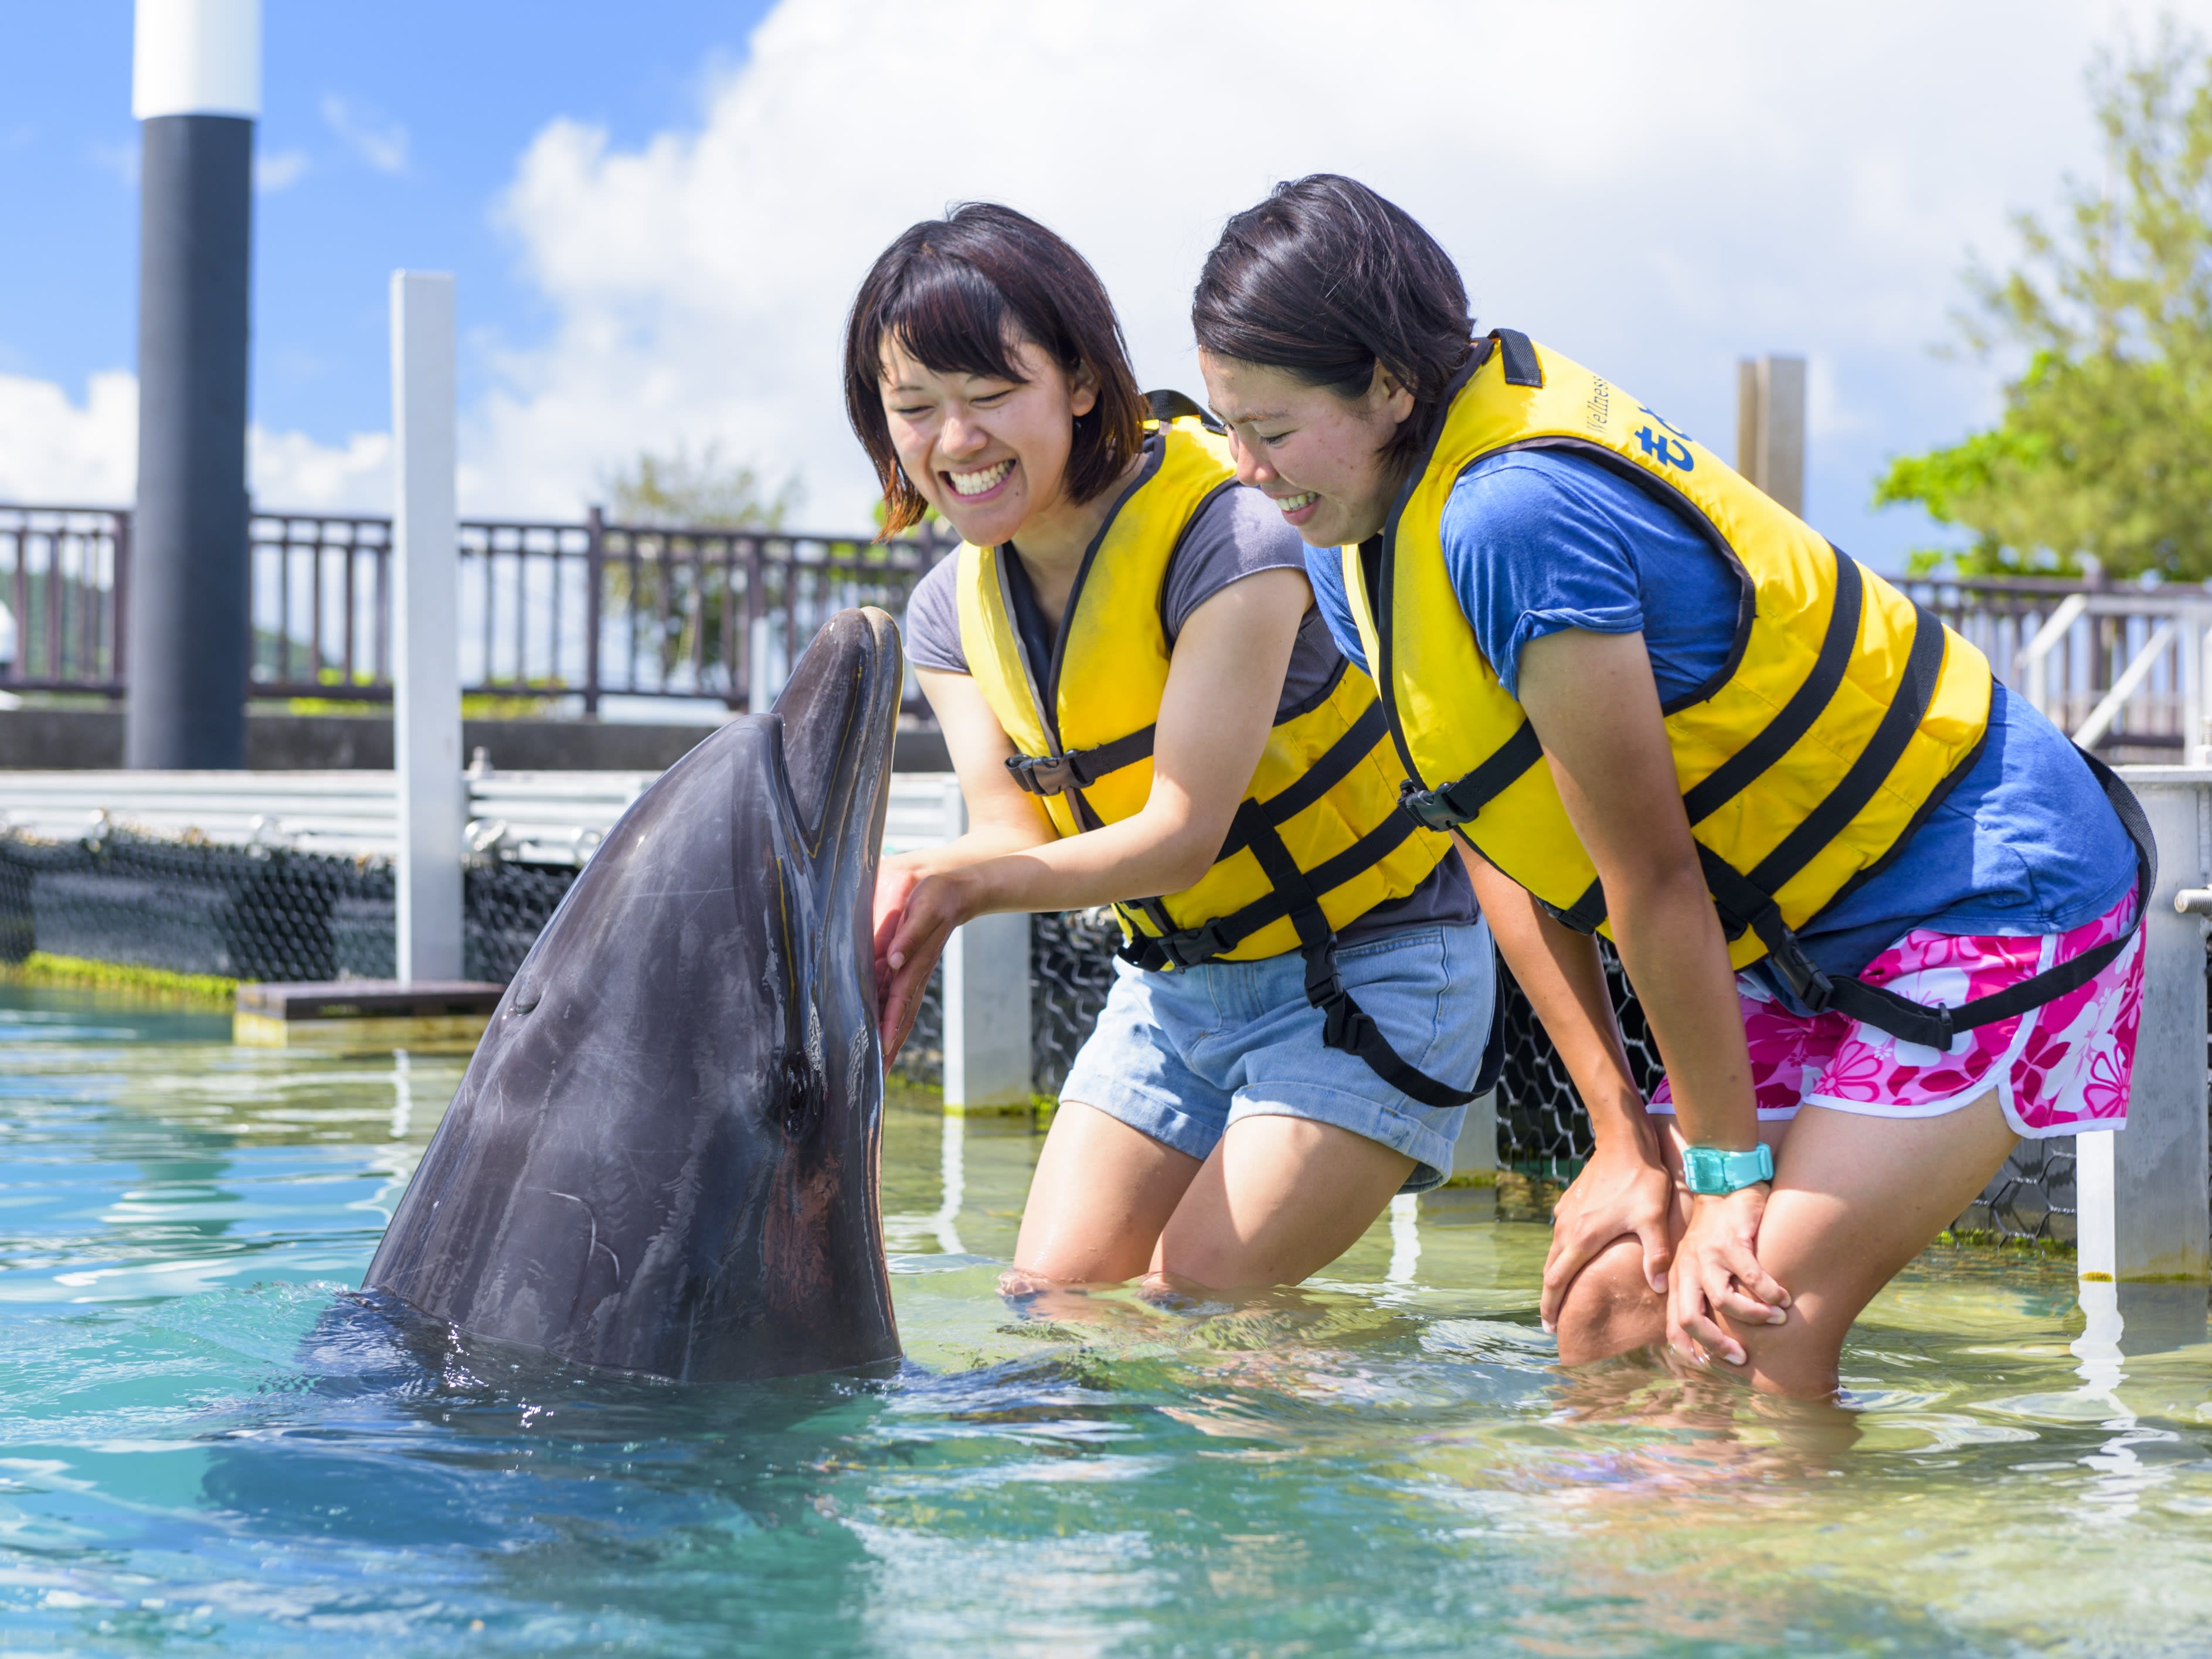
pixel 835 710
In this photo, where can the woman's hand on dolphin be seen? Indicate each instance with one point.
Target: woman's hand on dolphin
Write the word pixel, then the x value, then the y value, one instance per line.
pixel 932 906
pixel 894 881
pixel 1620 1193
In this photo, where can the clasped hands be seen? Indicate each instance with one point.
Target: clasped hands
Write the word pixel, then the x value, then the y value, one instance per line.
pixel 1712 1269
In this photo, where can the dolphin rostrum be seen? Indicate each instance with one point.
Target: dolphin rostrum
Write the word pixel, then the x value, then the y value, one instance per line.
pixel 663 1158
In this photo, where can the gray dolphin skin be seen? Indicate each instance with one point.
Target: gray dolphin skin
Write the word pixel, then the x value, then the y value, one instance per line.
pixel 663 1158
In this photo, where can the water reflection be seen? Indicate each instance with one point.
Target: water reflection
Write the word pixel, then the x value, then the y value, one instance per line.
pixel 205 1446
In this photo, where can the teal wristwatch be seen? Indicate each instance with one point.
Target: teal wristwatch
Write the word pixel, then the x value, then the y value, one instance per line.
pixel 1712 1171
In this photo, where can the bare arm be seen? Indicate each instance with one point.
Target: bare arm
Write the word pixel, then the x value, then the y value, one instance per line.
pixel 1558 971
pixel 1224 683
pixel 1594 703
pixel 1624 1189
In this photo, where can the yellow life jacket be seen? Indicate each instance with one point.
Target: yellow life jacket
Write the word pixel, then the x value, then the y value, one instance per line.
pixel 1318 839
pixel 1842 713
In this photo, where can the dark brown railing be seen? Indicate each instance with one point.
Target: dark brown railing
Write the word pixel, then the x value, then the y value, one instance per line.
pixel 62 579
pixel 585 611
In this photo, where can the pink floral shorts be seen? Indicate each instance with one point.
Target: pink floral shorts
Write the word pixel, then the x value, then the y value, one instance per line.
pixel 2055 1069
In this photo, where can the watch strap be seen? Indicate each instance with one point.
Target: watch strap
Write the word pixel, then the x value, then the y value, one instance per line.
pixel 1715 1172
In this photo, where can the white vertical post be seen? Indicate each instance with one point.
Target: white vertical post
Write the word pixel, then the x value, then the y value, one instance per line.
pixel 2189 650
pixel 766 670
pixel 2158 1163
pixel 426 691
pixel 987 1000
pixel 1476 1151
pixel 2095 1242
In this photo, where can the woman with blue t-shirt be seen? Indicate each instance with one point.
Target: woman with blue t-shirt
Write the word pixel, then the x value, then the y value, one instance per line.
pixel 1145 711
pixel 1881 916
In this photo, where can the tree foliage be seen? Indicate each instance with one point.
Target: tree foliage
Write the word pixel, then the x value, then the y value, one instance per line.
pixel 677 490
pixel 2105 448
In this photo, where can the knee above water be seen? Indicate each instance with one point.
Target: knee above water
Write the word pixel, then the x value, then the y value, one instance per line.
pixel 1609 1307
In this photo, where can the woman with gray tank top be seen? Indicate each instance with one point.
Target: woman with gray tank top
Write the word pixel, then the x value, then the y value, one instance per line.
pixel 1145 710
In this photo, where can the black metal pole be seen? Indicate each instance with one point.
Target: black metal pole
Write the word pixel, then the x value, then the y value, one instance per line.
pixel 190 599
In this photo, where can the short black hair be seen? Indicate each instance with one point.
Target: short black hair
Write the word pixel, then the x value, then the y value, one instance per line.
pixel 1325 279
pixel 953 294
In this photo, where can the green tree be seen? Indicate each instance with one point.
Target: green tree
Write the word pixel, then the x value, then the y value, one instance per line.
pixel 2105 448
pixel 676 607
pixel 675 489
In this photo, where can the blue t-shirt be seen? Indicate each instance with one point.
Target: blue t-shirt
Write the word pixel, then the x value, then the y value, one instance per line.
pixel 1536 542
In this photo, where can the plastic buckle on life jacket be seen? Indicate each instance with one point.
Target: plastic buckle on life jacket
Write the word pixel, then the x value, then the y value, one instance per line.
pixel 1817 988
pixel 1044 774
pixel 1813 988
pixel 1429 808
pixel 1194 945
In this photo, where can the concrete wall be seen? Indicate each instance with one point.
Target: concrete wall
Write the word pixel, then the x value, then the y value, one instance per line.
pixel 62 739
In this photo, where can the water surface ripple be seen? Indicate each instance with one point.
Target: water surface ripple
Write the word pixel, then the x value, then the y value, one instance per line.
pixel 207 1446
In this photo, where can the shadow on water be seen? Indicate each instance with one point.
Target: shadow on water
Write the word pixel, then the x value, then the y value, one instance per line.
pixel 542 1483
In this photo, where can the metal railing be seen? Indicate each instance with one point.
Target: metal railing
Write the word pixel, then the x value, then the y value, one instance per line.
pixel 547 610
pixel 2120 668
pixel 62 579
pixel 583 611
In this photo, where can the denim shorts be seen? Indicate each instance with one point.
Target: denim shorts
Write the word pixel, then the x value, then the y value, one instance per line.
pixel 1180 1056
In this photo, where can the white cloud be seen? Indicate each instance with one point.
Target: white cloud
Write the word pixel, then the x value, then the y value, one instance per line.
pixel 380 142
pixel 292 471
pixel 54 451
pixel 279 170
pixel 57 452
pixel 1657 189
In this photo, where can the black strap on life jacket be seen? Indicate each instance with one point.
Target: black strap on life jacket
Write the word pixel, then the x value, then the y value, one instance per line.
pixel 1459 801
pixel 1296 894
pixel 1519 359
pixel 1743 904
pixel 1174 405
pixel 1078 769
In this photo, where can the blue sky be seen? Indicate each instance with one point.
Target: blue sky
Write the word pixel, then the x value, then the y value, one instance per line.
pixel 657 212
pixel 388 132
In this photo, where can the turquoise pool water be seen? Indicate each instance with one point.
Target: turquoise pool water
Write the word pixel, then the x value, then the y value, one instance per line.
pixel 1388 1461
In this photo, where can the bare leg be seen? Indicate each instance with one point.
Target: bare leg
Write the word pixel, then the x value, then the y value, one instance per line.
pixel 1280 1198
pixel 1864 1196
pixel 1101 1194
pixel 1855 1199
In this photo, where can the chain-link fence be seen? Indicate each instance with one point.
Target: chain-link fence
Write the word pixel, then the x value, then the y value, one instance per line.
pixel 1542 1130
pixel 246 913
pixel 253 913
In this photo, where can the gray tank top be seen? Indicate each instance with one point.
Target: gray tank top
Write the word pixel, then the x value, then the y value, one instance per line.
pixel 1237 534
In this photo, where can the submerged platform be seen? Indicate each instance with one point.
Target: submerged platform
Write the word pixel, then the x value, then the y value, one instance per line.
pixel 376 1012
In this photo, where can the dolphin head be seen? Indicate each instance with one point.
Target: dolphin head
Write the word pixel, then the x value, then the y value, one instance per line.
pixel 663 1158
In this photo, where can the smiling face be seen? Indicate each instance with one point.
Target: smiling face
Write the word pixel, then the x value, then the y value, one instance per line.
pixel 1317 456
pixel 989 453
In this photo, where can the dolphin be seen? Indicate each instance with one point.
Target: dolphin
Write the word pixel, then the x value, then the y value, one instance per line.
pixel 663 1158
